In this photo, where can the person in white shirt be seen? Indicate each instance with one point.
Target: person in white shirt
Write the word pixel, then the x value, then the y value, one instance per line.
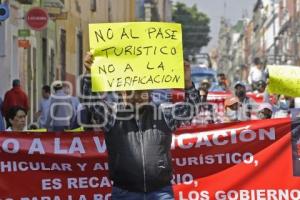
pixel 44 106
pixel 61 110
pixel 265 111
pixel 247 104
pixel 17 119
pixel 256 73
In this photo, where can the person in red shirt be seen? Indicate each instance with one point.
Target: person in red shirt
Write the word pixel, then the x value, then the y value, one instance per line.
pixel 15 97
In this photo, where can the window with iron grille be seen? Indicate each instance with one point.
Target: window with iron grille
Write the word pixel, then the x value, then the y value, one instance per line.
pixel 63 53
pixel 25 1
pixel 79 52
pixel 93 5
pixel 44 60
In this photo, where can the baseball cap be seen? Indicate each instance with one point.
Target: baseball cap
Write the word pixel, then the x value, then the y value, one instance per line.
pixel 239 83
pixel 262 106
pixel 57 84
pixel 230 101
pixel 205 81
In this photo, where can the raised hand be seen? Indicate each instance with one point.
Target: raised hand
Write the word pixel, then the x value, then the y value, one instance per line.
pixel 88 61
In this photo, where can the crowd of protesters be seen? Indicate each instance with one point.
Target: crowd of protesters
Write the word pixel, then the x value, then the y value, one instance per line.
pixel 58 110
pixel 138 140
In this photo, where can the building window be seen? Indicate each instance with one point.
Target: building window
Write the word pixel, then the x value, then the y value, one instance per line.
pixel 63 54
pixel 79 53
pixel 109 11
pixel 2 39
pixel 36 88
pixel 284 3
pixel 44 60
pixel 25 1
pixel 298 6
pixel 93 5
pixel 52 75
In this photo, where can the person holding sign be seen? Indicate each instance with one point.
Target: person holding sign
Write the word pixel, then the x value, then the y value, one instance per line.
pixel 139 141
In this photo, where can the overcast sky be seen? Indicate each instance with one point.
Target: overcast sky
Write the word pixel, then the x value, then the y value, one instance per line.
pixel 215 9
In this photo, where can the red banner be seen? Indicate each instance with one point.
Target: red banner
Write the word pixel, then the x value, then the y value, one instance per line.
pixel 246 160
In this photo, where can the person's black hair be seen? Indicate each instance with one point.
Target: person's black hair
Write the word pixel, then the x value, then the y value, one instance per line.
pixel 262 83
pixel 46 88
pixel 186 59
pixel 203 89
pixel 12 112
pixel 242 66
pixel 16 82
pixel 58 87
pixel 221 74
pixel 256 61
pixel 33 126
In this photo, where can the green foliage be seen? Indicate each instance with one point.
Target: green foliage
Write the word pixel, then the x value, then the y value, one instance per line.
pixel 195 27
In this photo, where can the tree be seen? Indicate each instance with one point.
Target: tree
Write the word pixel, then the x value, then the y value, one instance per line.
pixel 195 27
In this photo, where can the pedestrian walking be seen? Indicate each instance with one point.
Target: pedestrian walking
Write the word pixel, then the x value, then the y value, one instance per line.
pixel 14 97
pixel 255 73
pixel 44 106
pixel 2 125
pixel 61 110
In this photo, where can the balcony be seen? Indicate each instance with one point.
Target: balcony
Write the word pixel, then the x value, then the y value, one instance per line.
pixel 25 1
pixel 53 4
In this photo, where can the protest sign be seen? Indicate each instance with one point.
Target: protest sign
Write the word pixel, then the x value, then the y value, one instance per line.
pixel 284 79
pixel 136 56
pixel 245 160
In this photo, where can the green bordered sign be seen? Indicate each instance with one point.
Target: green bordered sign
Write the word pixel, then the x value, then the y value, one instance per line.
pixel 23 32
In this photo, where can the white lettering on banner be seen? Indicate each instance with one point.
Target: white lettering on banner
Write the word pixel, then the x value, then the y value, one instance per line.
pixel 76 146
pixel 11 145
pixel 22 166
pixel 102 197
pixel 221 138
pixel 81 166
pixel 41 198
pixel 101 148
pixel 36 147
pixel 194 195
pixel 280 194
pixel 185 179
pixel 70 197
pixel 57 149
pixel 88 182
pixel 222 158
pixel 82 197
pixel 51 184
pixel 99 166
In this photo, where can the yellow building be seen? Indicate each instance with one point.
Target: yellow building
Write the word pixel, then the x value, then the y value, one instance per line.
pixel 73 35
pixel 56 53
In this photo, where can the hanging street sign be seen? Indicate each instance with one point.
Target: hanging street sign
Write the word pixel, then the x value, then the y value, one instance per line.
pixel 23 32
pixel 37 18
